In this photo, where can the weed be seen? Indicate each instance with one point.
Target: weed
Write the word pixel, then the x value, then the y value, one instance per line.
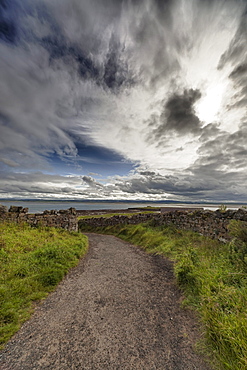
pixel 223 208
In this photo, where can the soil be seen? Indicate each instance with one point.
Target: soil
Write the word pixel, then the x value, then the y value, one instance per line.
pixel 118 309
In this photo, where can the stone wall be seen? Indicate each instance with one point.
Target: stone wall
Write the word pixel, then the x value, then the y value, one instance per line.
pixel 66 219
pixel 208 223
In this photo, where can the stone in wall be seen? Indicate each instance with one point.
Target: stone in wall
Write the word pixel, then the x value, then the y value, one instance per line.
pixel 3 209
pixel 71 211
pixel 18 209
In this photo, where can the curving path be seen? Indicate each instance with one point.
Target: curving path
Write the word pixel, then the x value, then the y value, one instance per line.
pixel 118 309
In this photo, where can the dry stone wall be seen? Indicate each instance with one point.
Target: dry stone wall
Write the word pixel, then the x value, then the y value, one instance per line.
pixel 66 219
pixel 208 223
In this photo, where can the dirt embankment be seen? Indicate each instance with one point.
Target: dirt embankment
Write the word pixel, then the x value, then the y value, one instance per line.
pixel 118 309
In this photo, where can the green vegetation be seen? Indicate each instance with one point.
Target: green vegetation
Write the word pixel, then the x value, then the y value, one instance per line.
pixel 213 278
pixel 32 261
pixel 223 208
pixel 108 215
pixel 149 208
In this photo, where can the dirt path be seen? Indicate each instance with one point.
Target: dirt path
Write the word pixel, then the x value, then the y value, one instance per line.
pixel 119 309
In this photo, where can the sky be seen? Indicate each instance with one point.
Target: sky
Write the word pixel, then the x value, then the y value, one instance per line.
pixel 123 100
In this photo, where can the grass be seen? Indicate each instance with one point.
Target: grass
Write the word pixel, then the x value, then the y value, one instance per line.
pixel 213 277
pixel 33 261
pixel 108 215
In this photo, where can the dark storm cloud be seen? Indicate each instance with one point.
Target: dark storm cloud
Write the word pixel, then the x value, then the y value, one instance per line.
pixel 89 180
pixel 8 31
pixel 147 173
pixel 179 115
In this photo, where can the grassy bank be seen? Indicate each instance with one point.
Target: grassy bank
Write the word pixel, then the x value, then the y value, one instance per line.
pixel 213 277
pixel 32 262
pixel 109 215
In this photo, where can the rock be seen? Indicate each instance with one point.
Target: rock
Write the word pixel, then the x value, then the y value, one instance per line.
pixel 63 211
pixel 72 211
pixel 15 209
pixel 3 209
pixel 240 214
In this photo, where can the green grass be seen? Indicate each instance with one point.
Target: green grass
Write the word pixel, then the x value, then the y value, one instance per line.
pixel 33 261
pixel 213 277
pixel 108 215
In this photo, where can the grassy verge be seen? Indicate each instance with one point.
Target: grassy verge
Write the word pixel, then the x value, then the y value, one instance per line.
pixel 108 215
pixel 32 262
pixel 213 277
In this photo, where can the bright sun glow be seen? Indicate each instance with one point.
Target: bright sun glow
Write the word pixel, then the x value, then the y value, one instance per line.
pixel 208 107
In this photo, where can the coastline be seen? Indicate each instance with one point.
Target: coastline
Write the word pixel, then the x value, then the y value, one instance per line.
pixel 39 206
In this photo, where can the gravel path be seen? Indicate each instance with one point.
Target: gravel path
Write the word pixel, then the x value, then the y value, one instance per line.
pixel 118 309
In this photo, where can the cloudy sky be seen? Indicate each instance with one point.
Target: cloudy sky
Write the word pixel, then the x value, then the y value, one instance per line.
pixel 123 99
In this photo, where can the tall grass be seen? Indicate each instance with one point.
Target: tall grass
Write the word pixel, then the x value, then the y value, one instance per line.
pixel 213 278
pixel 32 262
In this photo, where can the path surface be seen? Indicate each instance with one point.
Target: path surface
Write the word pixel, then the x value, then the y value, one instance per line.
pixel 118 309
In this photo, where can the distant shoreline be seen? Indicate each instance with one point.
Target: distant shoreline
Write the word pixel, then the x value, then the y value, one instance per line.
pixel 39 206
pixel 119 201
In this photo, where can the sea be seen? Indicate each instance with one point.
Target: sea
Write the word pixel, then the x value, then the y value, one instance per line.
pixel 38 206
